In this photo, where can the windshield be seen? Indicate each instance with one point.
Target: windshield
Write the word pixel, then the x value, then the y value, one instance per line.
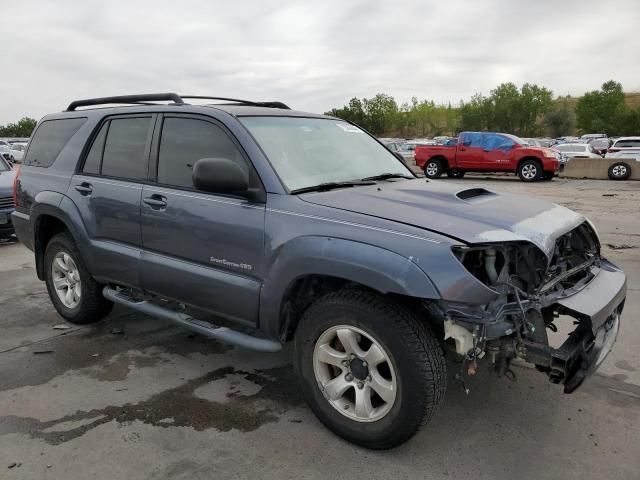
pixel 4 167
pixel 310 151
pixel 518 140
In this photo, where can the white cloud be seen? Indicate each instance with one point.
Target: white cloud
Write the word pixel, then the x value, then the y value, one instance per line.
pixel 311 55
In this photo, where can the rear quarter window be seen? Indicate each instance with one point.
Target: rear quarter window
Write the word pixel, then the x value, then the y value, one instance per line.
pixel 49 139
pixel 627 144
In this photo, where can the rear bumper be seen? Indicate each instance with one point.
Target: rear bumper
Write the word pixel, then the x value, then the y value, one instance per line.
pixel 21 225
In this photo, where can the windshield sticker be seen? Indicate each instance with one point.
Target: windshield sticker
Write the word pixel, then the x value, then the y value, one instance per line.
pixel 349 128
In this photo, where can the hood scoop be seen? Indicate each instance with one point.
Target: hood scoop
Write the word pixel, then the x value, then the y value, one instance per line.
pixel 475 195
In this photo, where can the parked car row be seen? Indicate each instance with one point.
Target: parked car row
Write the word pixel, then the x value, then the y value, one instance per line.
pixel 12 151
pixel 7 177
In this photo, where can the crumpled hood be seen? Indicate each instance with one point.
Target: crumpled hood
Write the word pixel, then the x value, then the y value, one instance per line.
pixel 470 214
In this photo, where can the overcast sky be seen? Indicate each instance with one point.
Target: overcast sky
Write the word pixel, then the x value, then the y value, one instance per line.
pixel 310 55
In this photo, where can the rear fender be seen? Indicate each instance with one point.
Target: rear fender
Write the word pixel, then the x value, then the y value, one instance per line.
pixel 63 209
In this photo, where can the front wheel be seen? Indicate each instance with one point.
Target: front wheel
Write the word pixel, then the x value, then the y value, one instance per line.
pixel 530 171
pixel 370 370
pixel 619 171
pixel 74 293
pixel 433 168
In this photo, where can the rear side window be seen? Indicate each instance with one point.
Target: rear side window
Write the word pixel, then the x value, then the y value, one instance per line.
pixel 472 139
pixel 496 142
pixel 92 162
pixel 124 148
pixel 184 141
pixel 49 139
pixel 627 143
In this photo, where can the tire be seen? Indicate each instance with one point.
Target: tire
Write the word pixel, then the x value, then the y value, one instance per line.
pixel 414 362
pixel 530 170
pixel 455 173
pixel 87 305
pixel 433 168
pixel 619 171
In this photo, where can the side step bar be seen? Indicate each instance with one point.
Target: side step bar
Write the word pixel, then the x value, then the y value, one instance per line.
pixel 207 329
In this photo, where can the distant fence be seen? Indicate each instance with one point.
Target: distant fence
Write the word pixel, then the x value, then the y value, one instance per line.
pixel 597 168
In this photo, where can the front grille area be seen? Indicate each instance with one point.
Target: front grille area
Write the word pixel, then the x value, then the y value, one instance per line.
pixel 574 254
pixel 6 202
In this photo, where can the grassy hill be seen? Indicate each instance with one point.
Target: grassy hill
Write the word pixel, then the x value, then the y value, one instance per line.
pixel 632 99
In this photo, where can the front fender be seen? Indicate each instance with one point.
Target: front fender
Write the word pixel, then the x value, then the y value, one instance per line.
pixel 374 267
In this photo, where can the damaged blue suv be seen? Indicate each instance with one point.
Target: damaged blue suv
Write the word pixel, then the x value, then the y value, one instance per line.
pixel 255 224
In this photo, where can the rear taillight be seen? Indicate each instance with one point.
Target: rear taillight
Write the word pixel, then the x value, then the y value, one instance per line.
pixel 15 186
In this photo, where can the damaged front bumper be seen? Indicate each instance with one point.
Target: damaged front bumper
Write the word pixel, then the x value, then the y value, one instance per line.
pixel 595 307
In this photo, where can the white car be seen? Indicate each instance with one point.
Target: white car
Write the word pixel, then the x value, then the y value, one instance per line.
pixel 624 144
pixel 5 151
pixel 17 151
pixel 577 150
pixel 629 154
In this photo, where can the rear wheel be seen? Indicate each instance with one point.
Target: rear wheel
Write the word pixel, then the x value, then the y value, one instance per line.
pixel 433 168
pixel 530 170
pixel 74 293
pixel 619 171
pixel 370 370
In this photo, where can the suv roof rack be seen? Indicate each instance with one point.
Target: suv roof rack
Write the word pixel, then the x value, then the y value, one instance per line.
pixel 148 97
pixel 155 97
pixel 241 102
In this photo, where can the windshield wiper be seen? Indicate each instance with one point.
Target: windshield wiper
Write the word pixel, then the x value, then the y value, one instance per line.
pixel 386 176
pixel 321 187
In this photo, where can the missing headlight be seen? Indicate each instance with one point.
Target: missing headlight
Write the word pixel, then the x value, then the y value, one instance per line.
pixel 520 264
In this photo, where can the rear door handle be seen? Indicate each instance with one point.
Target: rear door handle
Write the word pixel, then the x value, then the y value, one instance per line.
pixel 155 201
pixel 84 188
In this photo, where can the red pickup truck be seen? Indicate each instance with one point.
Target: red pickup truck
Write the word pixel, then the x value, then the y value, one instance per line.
pixel 488 152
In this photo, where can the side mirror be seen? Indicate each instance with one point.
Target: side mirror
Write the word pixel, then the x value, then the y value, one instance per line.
pixel 220 175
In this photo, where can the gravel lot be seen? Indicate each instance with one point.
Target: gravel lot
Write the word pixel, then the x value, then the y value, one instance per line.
pixel 133 398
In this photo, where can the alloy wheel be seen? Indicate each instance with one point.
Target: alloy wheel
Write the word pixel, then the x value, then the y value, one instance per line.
pixel 619 171
pixel 432 168
pixel 355 373
pixel 529 171
pixel 66 279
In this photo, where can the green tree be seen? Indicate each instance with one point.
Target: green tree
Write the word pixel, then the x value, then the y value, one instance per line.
pixel 21 129
pixel 508 109
pixel 380 112
pixel 559 121
pixel 474 114
pixel 602 111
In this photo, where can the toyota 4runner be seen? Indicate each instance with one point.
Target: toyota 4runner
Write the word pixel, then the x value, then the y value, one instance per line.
pixel 257 225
